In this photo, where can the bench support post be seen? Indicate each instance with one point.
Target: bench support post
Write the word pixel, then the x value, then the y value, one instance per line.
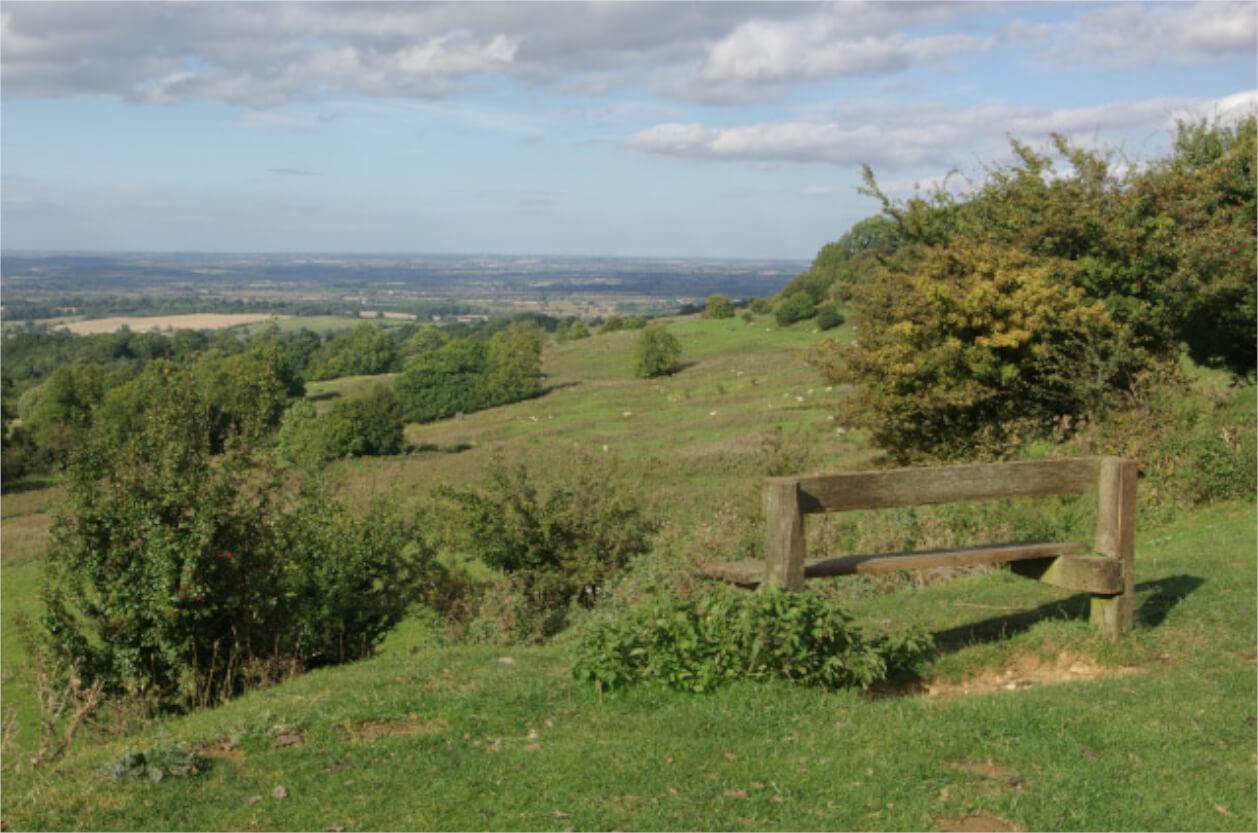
pixel 1116 539
pixel 784 536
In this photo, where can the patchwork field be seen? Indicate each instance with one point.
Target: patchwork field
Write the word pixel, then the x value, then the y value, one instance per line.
pixel 164 323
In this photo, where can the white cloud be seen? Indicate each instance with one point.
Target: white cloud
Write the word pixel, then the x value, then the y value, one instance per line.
pixel 897 137
pixel 1130 35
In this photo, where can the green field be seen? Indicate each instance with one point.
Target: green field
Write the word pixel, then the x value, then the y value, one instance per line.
pixel 1026 719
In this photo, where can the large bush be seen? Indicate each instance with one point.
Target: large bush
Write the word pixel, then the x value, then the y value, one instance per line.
pixel 972 353
pixel 1043 299
pixel 797 306
pixel 727 635
pixel 467 375
pixel 185 579
pixel 365 425
pixel 718 306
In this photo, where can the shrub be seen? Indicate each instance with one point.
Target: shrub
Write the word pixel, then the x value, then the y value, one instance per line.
pixel 445 382
pixel 719 306
pixel 698 644
pixel 185 579
pixel 371 424
pixel 635 322
pixel 974 352
pixel 571 330
pixel 560 543
pixel 656 352
pixel 828 317
pixel 795 307
pixel 761 306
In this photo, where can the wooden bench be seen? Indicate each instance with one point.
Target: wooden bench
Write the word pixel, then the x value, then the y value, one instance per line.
pixel 1104 569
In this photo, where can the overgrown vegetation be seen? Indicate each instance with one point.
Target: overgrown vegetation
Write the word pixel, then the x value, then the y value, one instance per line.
pixel 181 579
pixel 1040 303
pixel 699 643
pixel 558 542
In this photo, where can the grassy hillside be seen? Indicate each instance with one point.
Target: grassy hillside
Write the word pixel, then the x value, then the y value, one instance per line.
pixel 1025 720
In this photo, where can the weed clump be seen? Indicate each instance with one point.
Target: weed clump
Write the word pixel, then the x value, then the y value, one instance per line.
pixel 700 643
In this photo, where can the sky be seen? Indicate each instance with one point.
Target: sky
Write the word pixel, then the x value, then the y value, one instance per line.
pixel 703 129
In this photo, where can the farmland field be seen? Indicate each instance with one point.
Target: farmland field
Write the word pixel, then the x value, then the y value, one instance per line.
pixel 163 323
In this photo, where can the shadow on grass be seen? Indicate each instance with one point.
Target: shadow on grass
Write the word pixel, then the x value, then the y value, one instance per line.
pixel 26 484
pixel 323 397
pixel 1167 592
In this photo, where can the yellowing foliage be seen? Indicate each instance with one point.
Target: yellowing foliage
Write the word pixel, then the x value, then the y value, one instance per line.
pixel 970 353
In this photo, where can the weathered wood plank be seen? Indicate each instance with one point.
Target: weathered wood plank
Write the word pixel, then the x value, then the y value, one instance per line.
pixel 751 572
pixel 1116 540
pixel 747 573
pixel 784 536
pixel 1081 573
pixel 945 484
pixel 847 565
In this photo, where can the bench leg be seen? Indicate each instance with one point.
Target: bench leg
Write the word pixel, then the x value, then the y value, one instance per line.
pixel 784 536
pixel 1116 539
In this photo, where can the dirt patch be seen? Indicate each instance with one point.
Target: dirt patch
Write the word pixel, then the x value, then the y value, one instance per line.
pixel 142 324
pixel 987 770
pixel 223 749
pixel 979 823
pixel 1025 671
pixel 414 725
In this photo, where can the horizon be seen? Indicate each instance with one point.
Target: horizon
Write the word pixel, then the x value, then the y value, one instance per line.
pixel 656 130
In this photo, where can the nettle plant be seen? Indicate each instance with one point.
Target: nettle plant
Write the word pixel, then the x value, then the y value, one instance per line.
pixel 727 635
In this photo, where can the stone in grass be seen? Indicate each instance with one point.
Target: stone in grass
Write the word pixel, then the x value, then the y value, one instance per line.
pixel 279 792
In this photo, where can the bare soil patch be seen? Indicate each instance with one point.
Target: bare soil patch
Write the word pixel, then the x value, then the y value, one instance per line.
pixel 1027 671
pixel 414 725
pixel 978 823
pixel 143 324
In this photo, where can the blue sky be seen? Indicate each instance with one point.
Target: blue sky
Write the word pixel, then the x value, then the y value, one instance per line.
pixel 632 129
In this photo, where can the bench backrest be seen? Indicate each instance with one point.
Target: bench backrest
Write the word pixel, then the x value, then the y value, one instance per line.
pixel 788 499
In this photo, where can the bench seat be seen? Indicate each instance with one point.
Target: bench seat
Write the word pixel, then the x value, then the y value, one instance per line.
pixel 1065 564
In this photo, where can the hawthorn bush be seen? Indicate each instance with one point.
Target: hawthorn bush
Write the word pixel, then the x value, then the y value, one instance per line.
pixel 974 352
pixel 183 579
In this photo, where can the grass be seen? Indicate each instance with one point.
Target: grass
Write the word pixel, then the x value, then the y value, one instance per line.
pixel 1025 718
pixel 431 737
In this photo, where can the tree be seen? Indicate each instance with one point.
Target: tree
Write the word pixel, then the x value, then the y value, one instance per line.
pixel 61 413
pixel 656 353
pixel 853 259
pixel 425 340
pixel 364 350
pixel 515 362
pixel 719 306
